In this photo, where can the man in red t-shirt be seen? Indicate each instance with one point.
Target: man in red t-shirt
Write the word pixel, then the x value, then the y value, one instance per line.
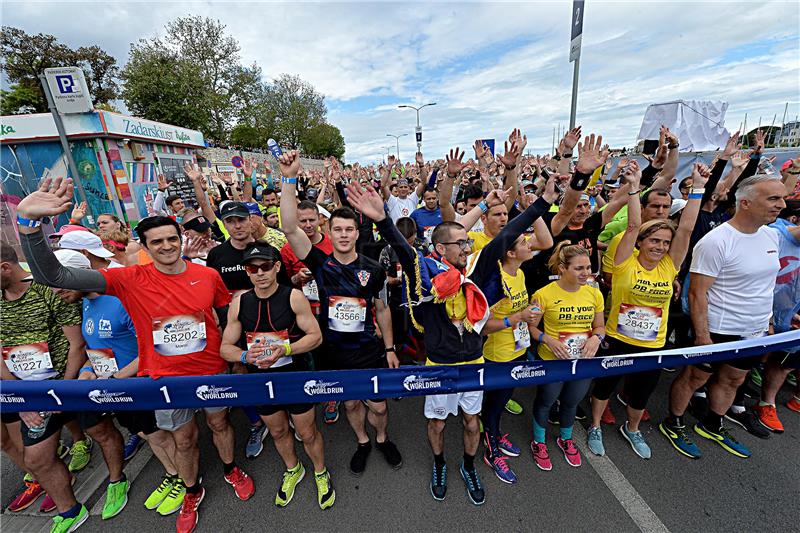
pixel 171 302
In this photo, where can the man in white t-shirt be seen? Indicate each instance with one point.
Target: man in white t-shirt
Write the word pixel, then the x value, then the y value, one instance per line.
pixel 730 298
pixel 404 203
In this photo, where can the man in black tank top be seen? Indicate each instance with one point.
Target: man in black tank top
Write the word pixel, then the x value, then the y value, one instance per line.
pixel 271 329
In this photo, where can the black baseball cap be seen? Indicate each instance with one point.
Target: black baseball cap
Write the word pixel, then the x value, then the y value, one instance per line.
pixel 234 209
pixel 261 251
pixel 198 224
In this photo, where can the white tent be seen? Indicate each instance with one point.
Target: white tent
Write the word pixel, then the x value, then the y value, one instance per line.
pixel 700 125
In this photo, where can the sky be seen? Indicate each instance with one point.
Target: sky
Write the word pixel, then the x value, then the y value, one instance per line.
pixel 489 67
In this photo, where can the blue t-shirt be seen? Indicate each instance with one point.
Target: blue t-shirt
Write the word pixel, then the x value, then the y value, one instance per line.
pixel 107 325
pixel 786 302
pixel 426 220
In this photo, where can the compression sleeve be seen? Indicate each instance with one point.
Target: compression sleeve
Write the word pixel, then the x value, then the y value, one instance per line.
pixel 48 271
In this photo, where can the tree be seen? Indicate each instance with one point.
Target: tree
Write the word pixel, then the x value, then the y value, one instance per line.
pixel 161 86
pixel 323 140
pixel 20 100
pixel 247 136
pixel 296 106
pixel 26 56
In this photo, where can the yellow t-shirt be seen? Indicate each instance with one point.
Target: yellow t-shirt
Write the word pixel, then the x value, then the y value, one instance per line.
pixel 568 316
pixel 509 343
pixel 608 257
pixel 640 302
pixel 480 238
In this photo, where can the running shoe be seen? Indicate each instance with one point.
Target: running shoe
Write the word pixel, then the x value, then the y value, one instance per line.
pixel 680 440
pixel 608 416
pixel 31 493
pixel 358 463
pixel 294 431
pixel 499 464
pixel 66 525
pixel 513 407
pixel 160 494
pixel 621 398
pixel 331 412
pixel 187 518
pixel 116 498
pixel 242 484
pixel 132 446
pixel 571 453
pixel 724 438
pixel 580 414
pixel 755 377
pixel 791 379
pixel 62 450
pixel 794 404
pixel 326 495
pixel 390 453
pixel 595 441
pixel 768 416
pixel 748 421
pixel 636 440
pixel 174 499
pixel 439 482
pixel 508 447
pixel 540 456
pixel 81 453
pixel 255 443
pixel 474 488
pixel 291 478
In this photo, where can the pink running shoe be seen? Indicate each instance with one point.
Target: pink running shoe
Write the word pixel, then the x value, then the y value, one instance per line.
pixel 540 456
pixel 571 453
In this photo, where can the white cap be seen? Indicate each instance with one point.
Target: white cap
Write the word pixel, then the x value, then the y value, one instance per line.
pixel 324 212
pixel 71 258
pixel 677 205
pixel 84 240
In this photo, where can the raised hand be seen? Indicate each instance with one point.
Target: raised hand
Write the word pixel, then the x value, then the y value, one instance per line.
pixel 455 162
pixel 53 197
pixel 289 163
pixel 700 175
pixel 732 146
pixel 419 159
pixel 248 167
pixel 509 159
pixel 367 201
pixel 760 139
pixel 550 193
pixel 590 154
pixel 78 212
pixel 672 140
pixel 739 161
pixel 571 139
pixel 162 182
pixel 632 174
pixel 661 153
pixel 191 172
pixel 479 148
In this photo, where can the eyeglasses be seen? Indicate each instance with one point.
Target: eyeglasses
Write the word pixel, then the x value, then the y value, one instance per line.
pixel 263 267
pixel 462 243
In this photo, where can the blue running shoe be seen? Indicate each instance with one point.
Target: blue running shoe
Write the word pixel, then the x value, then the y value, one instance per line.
pixel 331 412
pixel 595 441
pixel 439 482
pixel 132 446
pixel 676 435
pixel 508 447
pixel 636 440
pixel 255 443
pixel 724 438
pixel 474 487
pixel 499 464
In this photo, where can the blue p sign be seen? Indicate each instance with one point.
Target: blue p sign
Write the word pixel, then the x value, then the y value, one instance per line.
pixel 66 84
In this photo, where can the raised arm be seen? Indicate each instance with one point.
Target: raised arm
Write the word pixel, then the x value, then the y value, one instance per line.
pixel 626 245
pixel 290 165
pixel 511 160
pixel 249 169
pixel 423 177
pixel 680 243
pixel 195 176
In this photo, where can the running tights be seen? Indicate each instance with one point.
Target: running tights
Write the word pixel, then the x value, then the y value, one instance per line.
pixel 569 394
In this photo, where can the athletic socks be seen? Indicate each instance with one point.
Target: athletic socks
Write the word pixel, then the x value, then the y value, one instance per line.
pixel 228 467
pixel 538 432
pixel 565 433
pixel 712 421
pixel 73 511
pixel 469 461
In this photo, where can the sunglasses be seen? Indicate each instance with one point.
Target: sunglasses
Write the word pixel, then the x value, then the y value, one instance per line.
pixel 461 243
pixel 263 267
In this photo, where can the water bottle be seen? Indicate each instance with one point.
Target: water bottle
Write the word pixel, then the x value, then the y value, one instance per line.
pixel 765 167
pixel 35 432
pixel 274 149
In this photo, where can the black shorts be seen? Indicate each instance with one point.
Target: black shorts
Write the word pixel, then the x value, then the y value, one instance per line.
pixel 743 363
pixel 54 423
pixel 365 357
pixel 291 408
pixel 788 360
pixel 134 421
pixel 9 418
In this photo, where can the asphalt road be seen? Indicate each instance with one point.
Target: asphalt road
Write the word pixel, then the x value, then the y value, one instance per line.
pixel 618 493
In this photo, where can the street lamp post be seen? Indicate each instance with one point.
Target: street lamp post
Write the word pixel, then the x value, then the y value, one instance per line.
pixel 419 128
pixel 397 140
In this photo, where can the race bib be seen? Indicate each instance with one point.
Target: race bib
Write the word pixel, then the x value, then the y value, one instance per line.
pixel 574 342
pixel 311 291
pixel 179 334
pixel 639 322
pixel 103 362
pixel 427 232
pixel 347 314
pixel 269 339
pixel 399 271
pixel 29 361
pixel 522 337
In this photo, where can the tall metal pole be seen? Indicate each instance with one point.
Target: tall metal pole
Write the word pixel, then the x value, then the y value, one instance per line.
pixel 397 138
pixel 783 121
pixel 62 135
pixel 418 130
pixel 574 107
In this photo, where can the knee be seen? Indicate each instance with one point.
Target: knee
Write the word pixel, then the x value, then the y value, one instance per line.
pixel 730 381
pixel 378 408
pixel 280 432
pixel 307 434
pixel 435 425
pixel 218 424
pixel 103 432
pixel 471 425
pixel 352 405
pixel 185 442
pixel 697 378
pixel 38 460
pixel 159 438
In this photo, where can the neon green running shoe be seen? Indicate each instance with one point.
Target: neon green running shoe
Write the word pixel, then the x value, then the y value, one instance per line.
pixel 27 478
pixel 161 492
pixel 756 377
pixel 66 525
pixel 116 498
pixel 326 495
pixel 81 453
pixel 290 480
pixel 513 407
pixel 174 499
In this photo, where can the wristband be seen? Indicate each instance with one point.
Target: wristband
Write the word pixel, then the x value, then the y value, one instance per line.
pixel 483 206
pixel 698 191
pixel 556 157
pixel 541 336
pixel 506 322
pixel 27 222
pixel 290 181
pixel 512 167
pixel 579 181
pixel 601 337
pixel 695 196
pixel 632 193
pixel 567 155
pixel 390 349
pixel 86 369
pixel 243 357
pixel 793 173
pixel 288 348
